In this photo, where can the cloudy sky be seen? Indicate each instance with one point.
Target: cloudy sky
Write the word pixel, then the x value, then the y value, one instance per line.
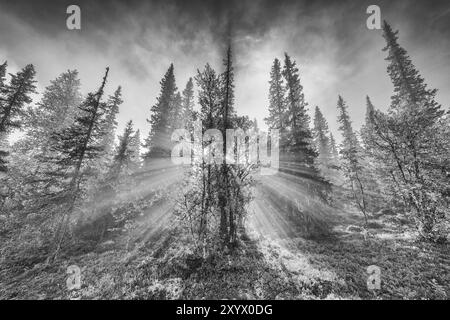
pixel 138 40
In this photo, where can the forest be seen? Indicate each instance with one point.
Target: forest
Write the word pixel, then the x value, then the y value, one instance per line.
pixel 78 199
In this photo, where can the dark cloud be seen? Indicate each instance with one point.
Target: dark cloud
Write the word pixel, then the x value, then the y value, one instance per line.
pixel 253 17
pixel 335 51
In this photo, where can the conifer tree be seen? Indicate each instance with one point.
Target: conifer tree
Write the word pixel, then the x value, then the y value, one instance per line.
pixel 158 140
pixel 112 109
pixel 3 153
pixel 76 145
pixel 351 158
pixel 322 141
pixel 367 129
pixel 333 147
pixel 200 197
pixel 188 104
pixel 55 111
pixel 176 114
pixel 187 107
pixel 58 106
pixel 335 163
pixel 216 188
pixel 3 74
pixel 368 133
pixel 299 142
pixel 209 96
pixel 373 172
pixel 74 150
pixel 13 99
pixel 122 160
pixel 227 228
pixel 404 138
pixel 135 147
pixel 410 91
pixel 277 104
pixel 299 147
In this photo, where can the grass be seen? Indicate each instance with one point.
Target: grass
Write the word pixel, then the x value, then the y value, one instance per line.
pixel 164 266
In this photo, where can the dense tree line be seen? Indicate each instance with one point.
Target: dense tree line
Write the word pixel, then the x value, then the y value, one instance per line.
pixel 66 152
pixel 69 155
pixel 400 155
pixel 288 112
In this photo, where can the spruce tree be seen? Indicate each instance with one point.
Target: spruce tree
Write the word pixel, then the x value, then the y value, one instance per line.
pixel 300 153
pixel 135 147
pixel 350 141
pixel 322 140
pixel 351 158
pixel 202 182
pixel 188 104
pixel 3 153
pixel 176 114
pixel 333 147
pixel 123 155
pixel 404 138
pixel 350 147
pixel 13 99
pixel 233 195
pixel 227 228
pixel 3 74
pixel 74 151
pixel 335 163
pixel 187 109
pixel 216 188
pixel 158 140
pixel 411 94
pixel 55 111
pixel 367 130
pixel 209 97
pixel 299 141
pixel 371 165
pixel 74 147
pixel 277 118
pixel 110 122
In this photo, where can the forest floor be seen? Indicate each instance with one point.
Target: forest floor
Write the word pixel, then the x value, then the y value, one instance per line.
pixel 274 260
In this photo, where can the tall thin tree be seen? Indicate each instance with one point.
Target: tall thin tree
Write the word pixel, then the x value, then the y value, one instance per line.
pixel 158 140
pixel 73 149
